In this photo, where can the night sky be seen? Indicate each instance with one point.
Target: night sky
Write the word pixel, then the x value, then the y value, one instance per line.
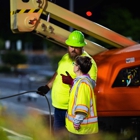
pixel 99 6
pixel 81 6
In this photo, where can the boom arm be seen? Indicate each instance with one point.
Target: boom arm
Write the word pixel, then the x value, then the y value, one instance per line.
pixel 27 17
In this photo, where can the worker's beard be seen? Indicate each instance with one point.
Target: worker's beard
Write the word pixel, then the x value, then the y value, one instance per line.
pixel 75 52
pixel 73 55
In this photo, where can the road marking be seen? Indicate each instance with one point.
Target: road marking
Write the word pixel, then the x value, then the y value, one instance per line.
pixel 15 134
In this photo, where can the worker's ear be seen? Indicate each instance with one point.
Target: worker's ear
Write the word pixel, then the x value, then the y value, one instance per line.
pixel 78 69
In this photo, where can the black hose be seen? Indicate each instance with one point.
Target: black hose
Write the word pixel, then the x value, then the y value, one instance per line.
pixel 16 95
pixel 50 120
pixel 29 92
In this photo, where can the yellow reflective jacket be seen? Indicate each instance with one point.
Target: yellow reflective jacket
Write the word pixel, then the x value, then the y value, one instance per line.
pixel 82 99
pixel 60 91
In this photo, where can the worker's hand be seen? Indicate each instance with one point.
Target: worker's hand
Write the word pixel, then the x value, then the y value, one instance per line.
pixel 67 79
pixel 76 126
pixel 43 90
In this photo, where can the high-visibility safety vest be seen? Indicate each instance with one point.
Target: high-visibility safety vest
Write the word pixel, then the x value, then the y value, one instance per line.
pixel 82 99
pixel 60 91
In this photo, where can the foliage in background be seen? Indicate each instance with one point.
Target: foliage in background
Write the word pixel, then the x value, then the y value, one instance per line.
pixel 2 44
pixel 34 127
pixel 13 58
pixel 5 69
pixel 10 61
pixel 121 21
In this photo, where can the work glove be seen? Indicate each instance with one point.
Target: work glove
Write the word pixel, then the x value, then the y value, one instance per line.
pixel 43 90
pixel 67 79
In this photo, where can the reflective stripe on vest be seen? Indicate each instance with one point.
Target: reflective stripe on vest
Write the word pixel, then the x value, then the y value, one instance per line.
pixel 85 121
pixel 81 107
pixel 84 108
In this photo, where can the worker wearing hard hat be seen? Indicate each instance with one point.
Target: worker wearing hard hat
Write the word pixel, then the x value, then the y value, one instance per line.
pixel 61 81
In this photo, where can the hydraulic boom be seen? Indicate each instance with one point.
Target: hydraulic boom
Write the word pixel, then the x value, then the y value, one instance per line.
pixel 34 16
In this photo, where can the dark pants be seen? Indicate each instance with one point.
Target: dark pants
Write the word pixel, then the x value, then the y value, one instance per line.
pixel 76 137
pixel 59 119
pixel 82 137
pixel 60 131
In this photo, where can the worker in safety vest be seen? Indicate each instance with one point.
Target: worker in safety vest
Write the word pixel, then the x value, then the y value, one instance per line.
pixel 63 77
pixel 81 118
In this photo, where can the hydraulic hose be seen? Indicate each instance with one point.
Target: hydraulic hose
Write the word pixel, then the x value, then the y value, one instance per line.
pixel 16 95
pixel 29 92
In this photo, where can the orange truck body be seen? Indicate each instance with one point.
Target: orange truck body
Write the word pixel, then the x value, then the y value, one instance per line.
pixel 118 99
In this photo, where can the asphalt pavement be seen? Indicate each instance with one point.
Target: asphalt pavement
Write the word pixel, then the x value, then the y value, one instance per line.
pixel 14 85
